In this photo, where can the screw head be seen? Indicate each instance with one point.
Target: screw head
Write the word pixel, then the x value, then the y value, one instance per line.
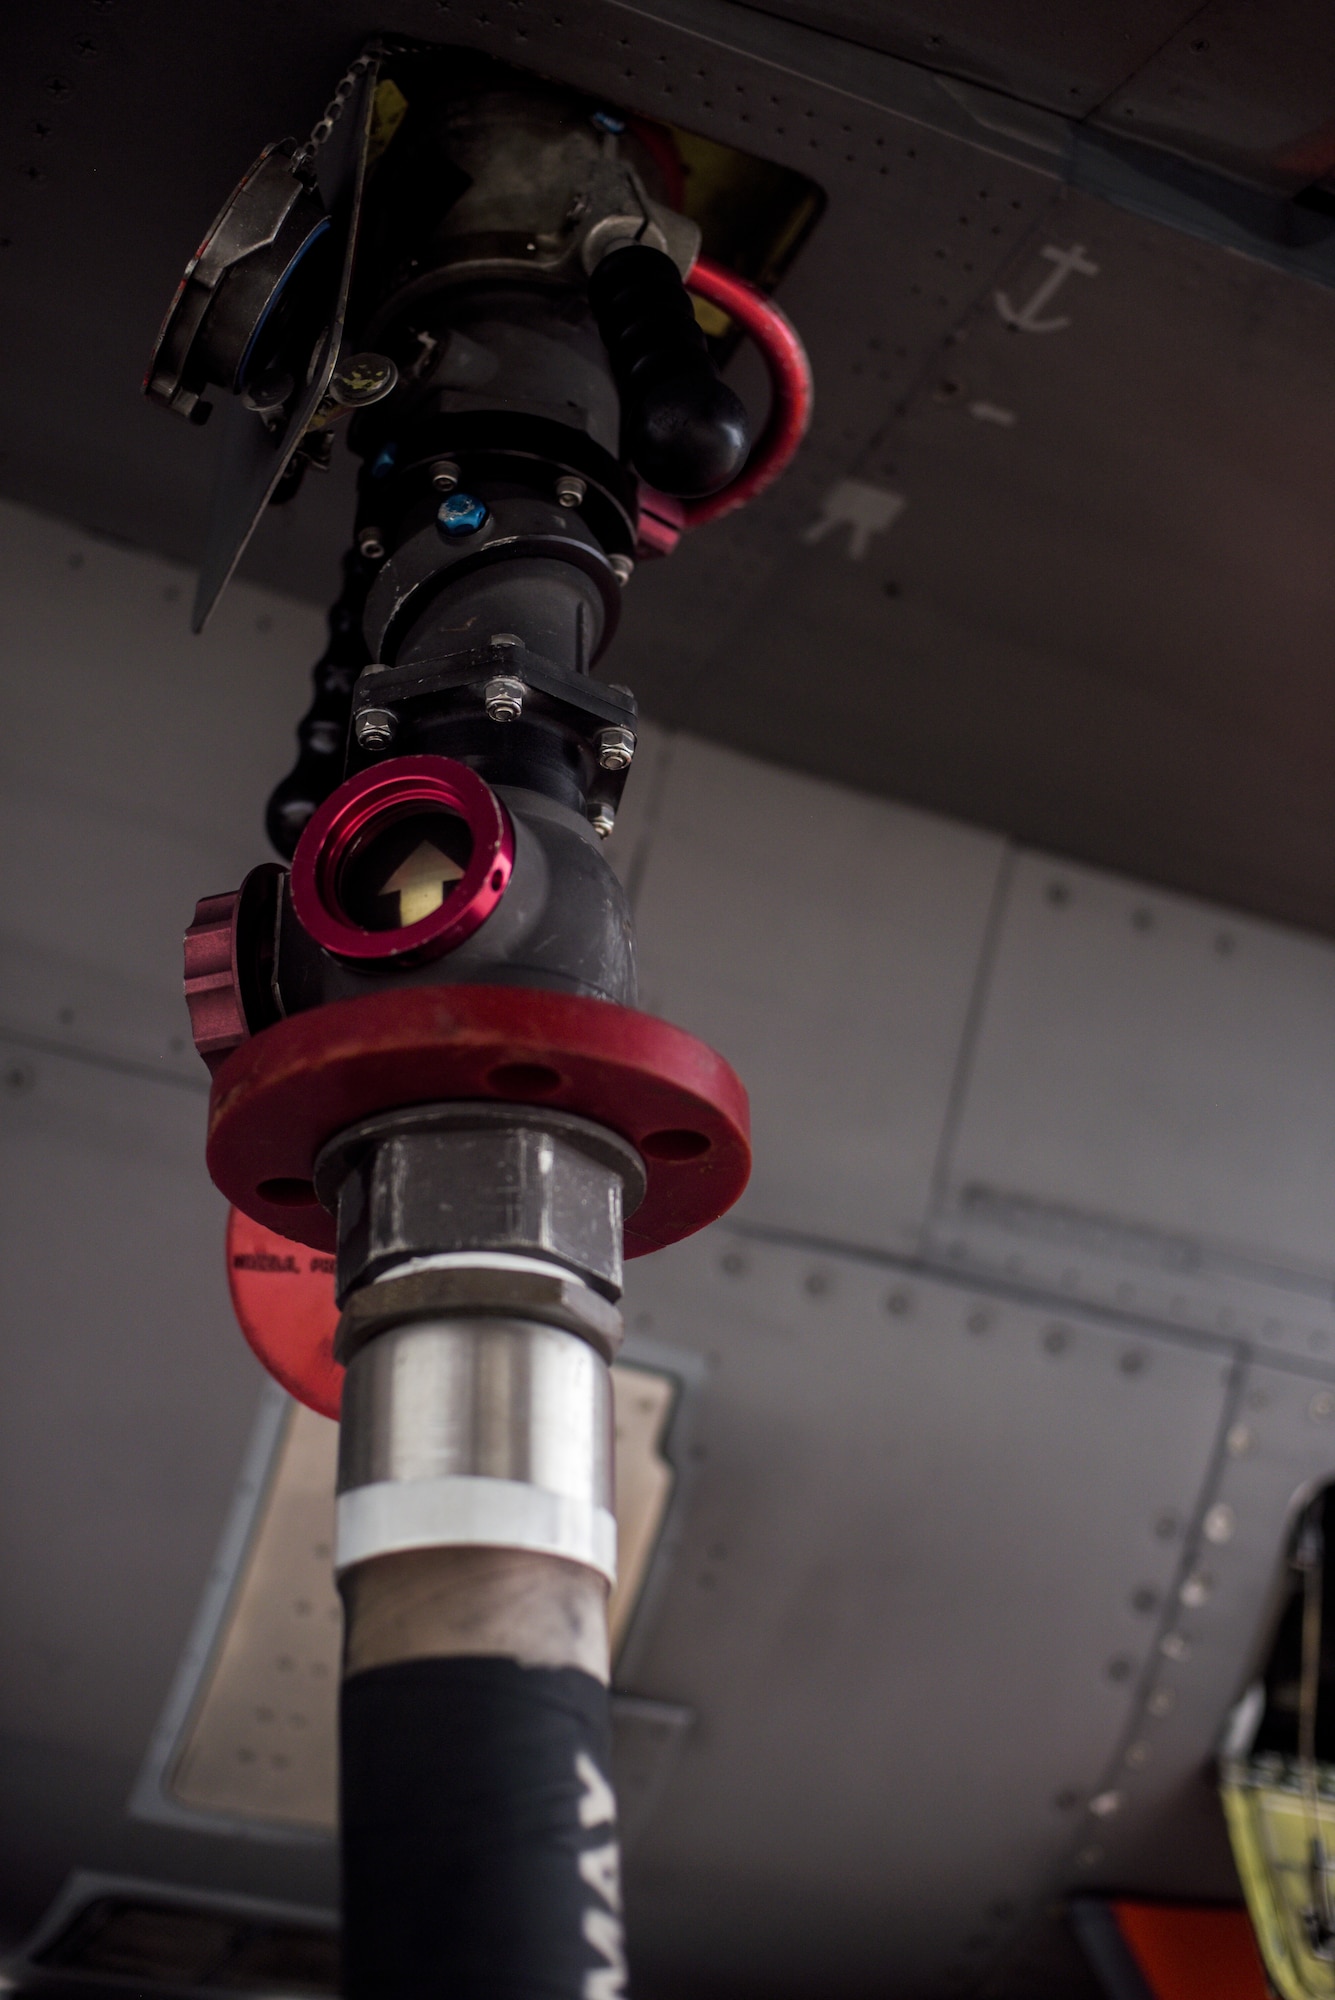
pixel 622 568
pixel 616 747
pixel 461 514
pixel 570 489
pixel 504 698
pixel 370 544
pixel 18 1077
pixel 374 728
pixel 363 379
pixel 444 475
pixel 604 819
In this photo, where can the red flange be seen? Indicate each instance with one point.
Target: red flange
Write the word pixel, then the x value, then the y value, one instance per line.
pixel 278 1098
pixel 283 1296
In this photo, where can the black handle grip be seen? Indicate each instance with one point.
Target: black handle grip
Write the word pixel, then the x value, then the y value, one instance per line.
pixel 322 733
pixel 682 428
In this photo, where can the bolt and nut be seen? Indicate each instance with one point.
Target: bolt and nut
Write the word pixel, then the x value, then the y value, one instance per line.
pixel 570 489
pixel 616 747
pixel 604 819
pixel 622 568
pixel 461 514
pixel 444 475
pixel 370 544
pixel 504 698
pixel 374 728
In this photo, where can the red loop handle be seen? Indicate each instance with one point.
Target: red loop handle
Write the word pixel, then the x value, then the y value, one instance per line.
pixel 789 372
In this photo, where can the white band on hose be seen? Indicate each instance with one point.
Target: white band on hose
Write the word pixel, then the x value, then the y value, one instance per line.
pixel 468 1510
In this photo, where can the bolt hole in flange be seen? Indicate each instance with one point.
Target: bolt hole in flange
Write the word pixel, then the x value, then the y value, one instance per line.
pixel 285 1192
pixel 522 1080
pixel 675 1145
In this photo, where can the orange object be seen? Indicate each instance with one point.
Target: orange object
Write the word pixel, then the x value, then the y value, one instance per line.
pixel 1191 1953
pixel 283 1295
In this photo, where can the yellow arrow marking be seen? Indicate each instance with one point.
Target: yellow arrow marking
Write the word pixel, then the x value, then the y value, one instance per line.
pixel 422 882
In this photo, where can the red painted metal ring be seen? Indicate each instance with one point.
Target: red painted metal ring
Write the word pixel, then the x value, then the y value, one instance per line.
pixel 278 1098
pixel 791 391
pixel 368 802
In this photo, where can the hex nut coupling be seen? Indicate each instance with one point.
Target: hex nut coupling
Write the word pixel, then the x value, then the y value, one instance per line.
pixel 483 1290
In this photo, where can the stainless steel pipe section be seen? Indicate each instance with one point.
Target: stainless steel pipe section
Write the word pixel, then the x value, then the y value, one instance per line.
pixel 482 1432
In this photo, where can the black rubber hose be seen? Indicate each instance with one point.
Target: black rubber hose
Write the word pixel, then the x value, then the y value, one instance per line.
pixel 682 428
pixel 480 1857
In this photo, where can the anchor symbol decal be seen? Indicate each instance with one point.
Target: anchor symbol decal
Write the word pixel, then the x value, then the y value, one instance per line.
pixel 1025 318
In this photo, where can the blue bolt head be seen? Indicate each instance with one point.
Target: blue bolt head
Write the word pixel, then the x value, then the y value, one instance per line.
pixel 460 514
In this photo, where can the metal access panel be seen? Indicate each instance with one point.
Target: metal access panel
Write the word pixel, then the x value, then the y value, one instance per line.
pixel 912 1604
pixel 1149 1116
pixel 157 795
pixel 1158 1830
pixel 827 944
pixel 127 1401
pixel 128 1396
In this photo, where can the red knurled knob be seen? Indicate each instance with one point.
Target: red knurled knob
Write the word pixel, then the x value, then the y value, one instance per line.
pixel 212 988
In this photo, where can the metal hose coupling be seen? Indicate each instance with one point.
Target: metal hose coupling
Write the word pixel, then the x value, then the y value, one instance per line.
pixel 479 1265
pixel 479 1258
pixel 478 1431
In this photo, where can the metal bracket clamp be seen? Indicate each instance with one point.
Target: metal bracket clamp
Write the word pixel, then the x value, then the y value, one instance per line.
pixel 479 1290
pixel 458 681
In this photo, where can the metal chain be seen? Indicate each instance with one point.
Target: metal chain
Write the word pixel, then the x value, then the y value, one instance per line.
pixel 333 111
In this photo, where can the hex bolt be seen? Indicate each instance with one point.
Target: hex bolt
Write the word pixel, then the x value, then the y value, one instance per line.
pixel 604 819
pixel 622 568
pixel 570 489
pixel 461 514
pixel 374 728
pixel 616 747
pixel 504 697
pixel 444 475
pixel 369 544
